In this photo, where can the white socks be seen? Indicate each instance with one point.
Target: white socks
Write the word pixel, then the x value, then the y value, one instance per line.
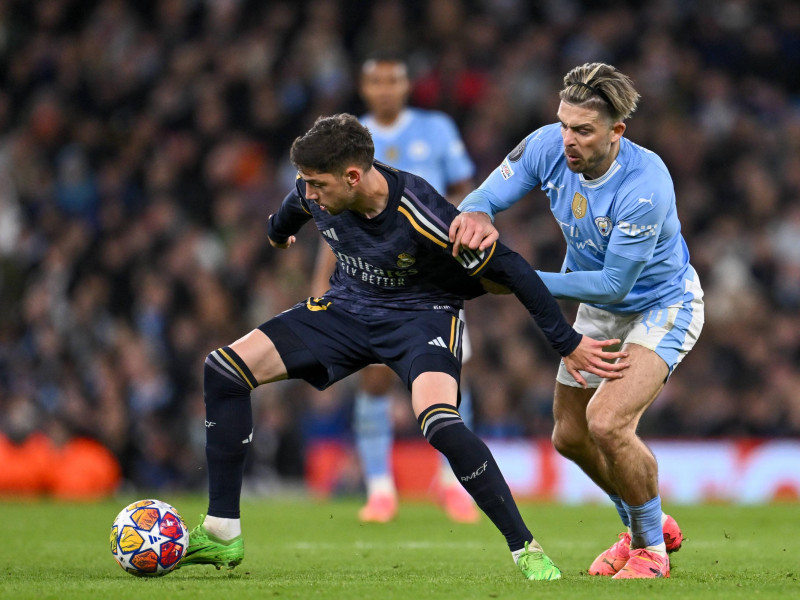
pixel 224 529
pixel 382 485
pixel 532 547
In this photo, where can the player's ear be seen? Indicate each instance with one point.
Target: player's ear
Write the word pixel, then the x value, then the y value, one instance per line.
pixel 617 129
pixel 352 175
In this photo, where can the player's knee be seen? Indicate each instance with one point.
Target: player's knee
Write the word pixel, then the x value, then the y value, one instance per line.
pixel 443 428
pixel 604 428
pixel 225 375
pixel 568 442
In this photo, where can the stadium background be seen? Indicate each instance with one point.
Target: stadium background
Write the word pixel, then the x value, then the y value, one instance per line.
pixel 143 144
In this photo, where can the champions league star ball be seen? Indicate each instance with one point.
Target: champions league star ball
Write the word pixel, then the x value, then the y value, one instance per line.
pixel 149 538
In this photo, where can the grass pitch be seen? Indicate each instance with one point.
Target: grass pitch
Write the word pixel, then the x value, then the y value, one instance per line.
pixel 306 549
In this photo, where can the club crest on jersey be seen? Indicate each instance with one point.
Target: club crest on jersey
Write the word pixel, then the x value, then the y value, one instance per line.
pixel 505 169
pixel 405 260
pixel 579 205
pixel 604 225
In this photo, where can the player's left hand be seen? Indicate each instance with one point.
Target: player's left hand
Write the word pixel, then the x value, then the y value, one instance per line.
pixel 591 356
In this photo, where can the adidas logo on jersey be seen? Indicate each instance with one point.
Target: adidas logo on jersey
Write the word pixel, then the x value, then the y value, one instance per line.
pixel 437 342
pixel 330 233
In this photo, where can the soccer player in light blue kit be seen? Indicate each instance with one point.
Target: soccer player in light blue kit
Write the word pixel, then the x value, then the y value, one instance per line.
pixel 628 265
pixel 426 143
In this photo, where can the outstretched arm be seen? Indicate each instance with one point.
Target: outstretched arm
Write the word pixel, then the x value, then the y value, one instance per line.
pixel 581 353
pixel 609 285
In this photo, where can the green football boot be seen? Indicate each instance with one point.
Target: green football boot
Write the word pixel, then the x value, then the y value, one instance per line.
pixel 537 565
pixel 207 549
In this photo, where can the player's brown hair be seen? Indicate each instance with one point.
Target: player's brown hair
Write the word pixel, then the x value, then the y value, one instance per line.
pixel 601 87
pixel 333 144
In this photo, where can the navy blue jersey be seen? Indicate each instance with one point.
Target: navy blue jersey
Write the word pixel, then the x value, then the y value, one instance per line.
pixel 401 260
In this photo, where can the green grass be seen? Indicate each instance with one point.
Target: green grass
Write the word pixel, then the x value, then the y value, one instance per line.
pixel 306 549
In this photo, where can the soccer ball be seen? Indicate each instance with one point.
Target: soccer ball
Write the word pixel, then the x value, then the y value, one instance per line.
pixel 149 538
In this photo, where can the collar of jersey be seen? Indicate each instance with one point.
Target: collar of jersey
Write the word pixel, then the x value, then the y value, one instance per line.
pixel 612 170
pixel 403 119
pixel 595 183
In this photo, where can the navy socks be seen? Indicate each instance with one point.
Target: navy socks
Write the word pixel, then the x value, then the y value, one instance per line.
pixel 229 428
pixel 475 468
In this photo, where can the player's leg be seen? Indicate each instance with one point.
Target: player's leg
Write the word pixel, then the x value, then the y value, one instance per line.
pixel 613 415
pixel 457 504
pixel 664 337
pixel 572 438
pixel 313 342
pixel 372 426
pixel 230 373
pixel 425 350
pixel 657 341
pixel 434 397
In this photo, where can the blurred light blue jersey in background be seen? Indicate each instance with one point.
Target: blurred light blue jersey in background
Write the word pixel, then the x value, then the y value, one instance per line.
pixel 423 142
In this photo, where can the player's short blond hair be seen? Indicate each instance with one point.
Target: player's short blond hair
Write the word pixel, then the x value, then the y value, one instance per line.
pixel 601 87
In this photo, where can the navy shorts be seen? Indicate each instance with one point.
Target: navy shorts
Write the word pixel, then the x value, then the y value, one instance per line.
pixel 322 344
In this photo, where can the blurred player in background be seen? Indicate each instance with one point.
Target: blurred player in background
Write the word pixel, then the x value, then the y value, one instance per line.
pixel 628 265
pixel 394 299
pixel 426 143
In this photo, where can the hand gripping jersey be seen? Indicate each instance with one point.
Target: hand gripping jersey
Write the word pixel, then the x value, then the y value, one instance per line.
pixel 401 260
pixel 629 212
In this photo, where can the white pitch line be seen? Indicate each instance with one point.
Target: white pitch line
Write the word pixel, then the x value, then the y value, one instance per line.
pixel 410 545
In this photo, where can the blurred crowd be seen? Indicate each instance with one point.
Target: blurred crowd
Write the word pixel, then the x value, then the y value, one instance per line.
pixel 144 144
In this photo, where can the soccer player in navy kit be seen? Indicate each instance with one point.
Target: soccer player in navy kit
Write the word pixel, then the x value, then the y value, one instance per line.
pixel 394 299
pixel 628 265
pixel 425 143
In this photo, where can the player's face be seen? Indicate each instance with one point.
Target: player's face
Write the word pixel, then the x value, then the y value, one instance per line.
pixel 589 139
pixel 384 88
pixel 330 192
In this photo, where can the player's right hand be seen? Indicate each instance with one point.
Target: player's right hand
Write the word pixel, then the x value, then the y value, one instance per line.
pixel 473 230
pixel 591 356
pixel 284 245
pixel 292 239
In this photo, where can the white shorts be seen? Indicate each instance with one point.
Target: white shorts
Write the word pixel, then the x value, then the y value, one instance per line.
pixel 670 332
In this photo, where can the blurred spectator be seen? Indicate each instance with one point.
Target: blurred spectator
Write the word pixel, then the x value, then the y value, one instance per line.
pixel 142 146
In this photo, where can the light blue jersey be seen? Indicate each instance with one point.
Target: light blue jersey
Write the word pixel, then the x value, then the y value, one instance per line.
pixel 425 143
pixel 629 212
